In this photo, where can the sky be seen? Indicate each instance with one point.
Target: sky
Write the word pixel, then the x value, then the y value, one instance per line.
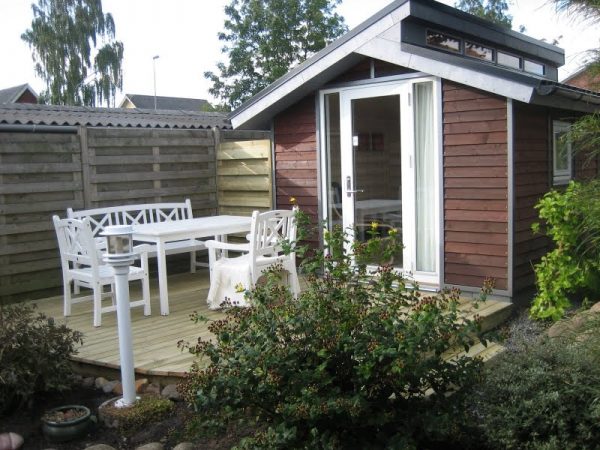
pixel 183 33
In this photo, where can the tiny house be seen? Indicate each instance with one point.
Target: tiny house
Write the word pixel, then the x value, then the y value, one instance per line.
pixel 434 122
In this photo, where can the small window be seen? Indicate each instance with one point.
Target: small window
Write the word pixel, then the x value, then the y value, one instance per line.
pixel 443 41
pixel 533 67
pixel 509 60
pixel 562 153
pixel 479 51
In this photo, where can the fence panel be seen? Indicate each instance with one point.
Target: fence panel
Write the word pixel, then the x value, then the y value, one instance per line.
pixel 40 175
pixel 244 176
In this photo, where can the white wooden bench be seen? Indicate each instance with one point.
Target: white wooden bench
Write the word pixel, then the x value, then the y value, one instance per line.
pixel 142 214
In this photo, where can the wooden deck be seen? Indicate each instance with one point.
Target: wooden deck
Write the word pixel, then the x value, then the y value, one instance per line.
pixel 155 337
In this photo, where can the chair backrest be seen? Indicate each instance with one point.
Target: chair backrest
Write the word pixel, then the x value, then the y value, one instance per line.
pixel 76 243
pixel 100 218
pixel 270 230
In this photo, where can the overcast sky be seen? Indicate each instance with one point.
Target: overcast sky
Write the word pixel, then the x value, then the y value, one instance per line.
pixel 184 35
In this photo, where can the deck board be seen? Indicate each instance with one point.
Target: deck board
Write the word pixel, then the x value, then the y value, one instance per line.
pixel 155 337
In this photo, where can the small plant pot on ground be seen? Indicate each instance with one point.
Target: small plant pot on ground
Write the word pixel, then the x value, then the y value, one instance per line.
pixel 66 423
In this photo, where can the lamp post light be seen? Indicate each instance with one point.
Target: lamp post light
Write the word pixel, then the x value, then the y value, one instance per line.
pixel 154 58
pixel 120 256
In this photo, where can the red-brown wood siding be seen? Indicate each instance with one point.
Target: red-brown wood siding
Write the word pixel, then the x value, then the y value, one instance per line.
pixel 531 181
pixel 475 187
pixel 27 97
pixel 295 133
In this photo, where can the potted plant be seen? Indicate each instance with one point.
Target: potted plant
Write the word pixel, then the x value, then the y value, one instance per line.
pixel 66 423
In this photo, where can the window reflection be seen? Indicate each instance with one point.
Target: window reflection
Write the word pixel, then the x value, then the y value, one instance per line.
pixel 443 41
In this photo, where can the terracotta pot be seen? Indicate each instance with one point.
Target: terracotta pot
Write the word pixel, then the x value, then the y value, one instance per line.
pixel 66 429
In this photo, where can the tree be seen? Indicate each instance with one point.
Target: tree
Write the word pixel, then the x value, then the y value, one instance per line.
pixel 62 36
pixel 492 10
pixel 265 38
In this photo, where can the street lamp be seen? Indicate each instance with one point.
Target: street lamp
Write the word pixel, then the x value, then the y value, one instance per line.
pixel 120 256
pixel 154 70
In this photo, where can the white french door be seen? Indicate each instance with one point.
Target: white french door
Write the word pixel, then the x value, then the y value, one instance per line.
pixel 381 164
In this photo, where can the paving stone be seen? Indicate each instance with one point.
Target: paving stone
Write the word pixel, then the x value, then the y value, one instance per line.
pixel 109 386
pixel 100 382
pixel 88 382
pixel 184 446
pixel 151 446
pixel 140 385
pixel 170 392
pixel 152 388
pixel 100 447
pixel 118 389
pixel 10 441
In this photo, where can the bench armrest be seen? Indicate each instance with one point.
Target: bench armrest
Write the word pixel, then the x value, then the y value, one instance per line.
pixel 212 244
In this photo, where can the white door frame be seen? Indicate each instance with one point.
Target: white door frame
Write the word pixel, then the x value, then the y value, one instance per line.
pixel 403 88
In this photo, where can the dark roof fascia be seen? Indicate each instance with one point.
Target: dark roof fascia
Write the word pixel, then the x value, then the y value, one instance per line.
pixel 445 16
pixel 319 55
pixel 560 95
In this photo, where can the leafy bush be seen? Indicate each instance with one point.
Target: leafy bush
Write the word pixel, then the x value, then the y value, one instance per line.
pixel 357 361
pixel 544 395
pixel 572 221
pixel 34 354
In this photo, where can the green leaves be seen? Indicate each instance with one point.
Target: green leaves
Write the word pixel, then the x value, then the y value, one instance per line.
pixel 264 39
pixel 492 10
pixel 62 36
pixel 355 360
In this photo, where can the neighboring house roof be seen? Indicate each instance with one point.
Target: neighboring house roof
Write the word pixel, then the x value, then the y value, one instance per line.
pixel 12 94
pixel 24 114
pixel 391 35
pixel 584 78
pixel 170 103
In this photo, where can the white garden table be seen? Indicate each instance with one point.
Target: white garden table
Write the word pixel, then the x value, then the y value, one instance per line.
pixel 179 230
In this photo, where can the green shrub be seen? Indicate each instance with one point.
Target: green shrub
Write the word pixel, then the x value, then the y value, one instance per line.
pixel 34 354
pixel 357 361
pixel 572 221
pixel 544 395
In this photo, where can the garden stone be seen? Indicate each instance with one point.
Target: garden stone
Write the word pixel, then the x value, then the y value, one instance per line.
pixel 184 446
pixel 100 447
pixel 575 323
pixel 151 446
pixel 10 441
pixel 100 382
pixel 87 382
pixel 152 388
pixel 108 387
pixel 140 385
pixel 170 392
pixel 118 389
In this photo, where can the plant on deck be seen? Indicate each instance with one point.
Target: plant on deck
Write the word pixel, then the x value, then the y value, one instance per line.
pixel 358 360
pixel 34 355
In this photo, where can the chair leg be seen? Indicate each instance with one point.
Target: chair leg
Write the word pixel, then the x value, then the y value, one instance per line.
pixel 67 296
pixel 97 304
pixel 146 295
pixel 193 262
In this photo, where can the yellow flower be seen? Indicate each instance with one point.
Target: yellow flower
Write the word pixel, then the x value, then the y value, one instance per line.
pixel 393 232
pixel 374 226
pixel 293 200
pixel 239 288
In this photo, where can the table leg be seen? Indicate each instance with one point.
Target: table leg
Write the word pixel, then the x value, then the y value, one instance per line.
pixel 162 278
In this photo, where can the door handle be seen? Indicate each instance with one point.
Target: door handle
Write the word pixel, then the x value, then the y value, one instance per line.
pixel 349 189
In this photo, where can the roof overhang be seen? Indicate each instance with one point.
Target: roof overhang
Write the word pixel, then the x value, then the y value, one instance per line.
pixel 380 37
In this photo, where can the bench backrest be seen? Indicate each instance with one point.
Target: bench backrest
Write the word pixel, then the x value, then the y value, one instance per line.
pixel 133 214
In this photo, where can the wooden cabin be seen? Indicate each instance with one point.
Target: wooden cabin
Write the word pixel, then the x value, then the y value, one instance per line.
pixel 435 122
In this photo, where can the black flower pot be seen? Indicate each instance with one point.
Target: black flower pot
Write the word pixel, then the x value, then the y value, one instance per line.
pixel 59 426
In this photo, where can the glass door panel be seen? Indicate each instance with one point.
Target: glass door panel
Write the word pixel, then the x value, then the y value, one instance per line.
pixel 377 167
pixel 333 166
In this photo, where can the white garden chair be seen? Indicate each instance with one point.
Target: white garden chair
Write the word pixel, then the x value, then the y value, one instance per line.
pixel 264 249
pixel 82 265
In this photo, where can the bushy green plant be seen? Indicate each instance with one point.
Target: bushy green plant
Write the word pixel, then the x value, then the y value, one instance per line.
pixel 358 360
pixel 572 221
pixel 34 354
pixel 543 395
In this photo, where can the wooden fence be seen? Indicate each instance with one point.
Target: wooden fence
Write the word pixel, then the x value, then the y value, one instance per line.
pixel 42 174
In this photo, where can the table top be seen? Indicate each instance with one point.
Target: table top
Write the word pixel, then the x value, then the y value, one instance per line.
pixel 202 225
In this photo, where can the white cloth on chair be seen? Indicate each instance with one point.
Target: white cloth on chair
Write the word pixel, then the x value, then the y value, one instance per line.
pixel 228 277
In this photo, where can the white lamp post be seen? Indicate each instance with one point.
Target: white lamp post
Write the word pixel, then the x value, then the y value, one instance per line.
pixel 120 256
